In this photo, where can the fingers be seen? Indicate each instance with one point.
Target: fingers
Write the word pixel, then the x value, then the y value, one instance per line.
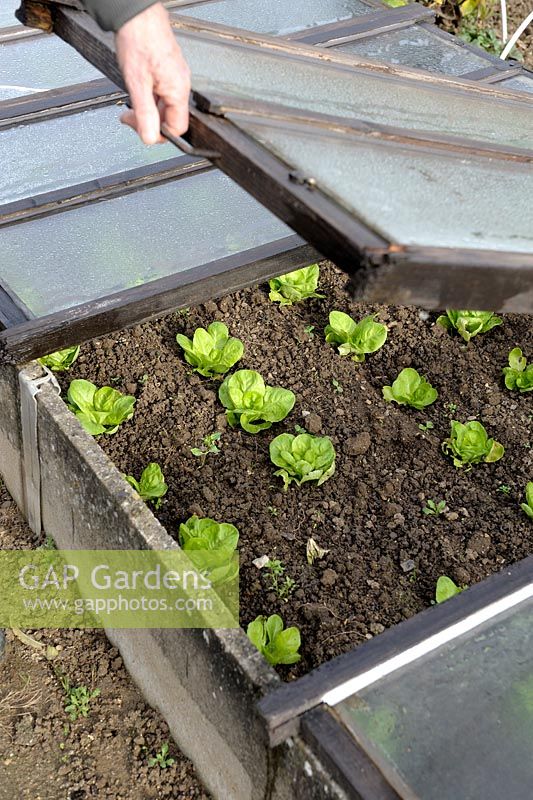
pixel 145 120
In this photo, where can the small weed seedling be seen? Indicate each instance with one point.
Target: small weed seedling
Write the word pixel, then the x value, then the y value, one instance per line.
pixel 253 405
pixel 299 429
pixel 434 509
pixel 280 583
pixel 337 386
pixel 277 645
pixel 469 323
pixel 211 352
pixel 62 360
pixel 209 446
pixel 78 699
pixel 273 510
pixel 302 458
pixel 452 407
pixel 143 380
pixel 410 389
pixel 310 329
pixel 527 507
pixel 504 489
pixel 446 588
pixel 295 286
pixel 470 444
pixel 161 759
pixel 99 410
pixel 519 374
pixel 426 426
pixel 355 339
pixel 151 486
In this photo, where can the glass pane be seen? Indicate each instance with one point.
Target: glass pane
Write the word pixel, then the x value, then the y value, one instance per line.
pixel 257 75
pixel 277 17
pixel 40 63
pixel 414 196
pixel 131 240
pixel 417 47
pixel 458 723
pixel 58 152
pixel 519 84
pixel 7 13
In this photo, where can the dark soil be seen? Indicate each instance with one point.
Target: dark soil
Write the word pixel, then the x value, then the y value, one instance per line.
pixel 45 757
pixel 369 515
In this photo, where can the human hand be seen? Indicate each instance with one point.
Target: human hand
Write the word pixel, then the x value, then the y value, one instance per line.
pixel 156 75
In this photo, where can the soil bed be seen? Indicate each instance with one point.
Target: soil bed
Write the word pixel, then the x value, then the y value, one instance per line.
pixel 369 515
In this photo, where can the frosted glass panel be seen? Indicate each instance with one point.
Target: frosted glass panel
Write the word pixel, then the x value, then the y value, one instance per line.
pixel 58 152
pixel 417 47
pixel 37 64
pixel 7 13
pixel 257 75
pixel 277 17
pixel 459 723
pixel 80 255
pixel 518 84
pixel 415 197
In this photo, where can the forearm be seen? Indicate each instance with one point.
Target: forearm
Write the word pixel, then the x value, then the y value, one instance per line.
pixel 112 14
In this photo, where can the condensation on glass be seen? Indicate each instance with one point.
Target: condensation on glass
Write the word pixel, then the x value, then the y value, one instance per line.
pixel 411 195
pixel 418 47
pixel 40 63
pixel 59 152
pixel 311 84
pixel 66 259
pixel 7 13
pixel 277 17
pixel 457 723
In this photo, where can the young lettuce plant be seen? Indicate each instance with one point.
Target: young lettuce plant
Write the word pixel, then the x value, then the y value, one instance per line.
pixel 410 389
pixel 211 547
pixel 519 374
pixel 469 323
pixel 99 410
pixel 527 507
pixel 446 588
pixel 295 286
pixel 213 351
pixel 62 360
pixel 470 444
pixel 276 644
pixel 151 486
pixel 302 458
pixel 253 405
pixel 355 338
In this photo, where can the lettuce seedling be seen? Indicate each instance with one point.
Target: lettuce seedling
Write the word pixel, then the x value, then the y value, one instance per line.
pixel 151 486
pixel 295 286
pixel 470 444
pixel 527 507
pixel 212 351
pixel 251 404
pixel 410 389
pixel 211 547
pixel 446 588
pixel 62 360
pixel 99 410
pixel 519 374
pixel 302 458
pixel 469 323
pixel 277 645
pixel 355 338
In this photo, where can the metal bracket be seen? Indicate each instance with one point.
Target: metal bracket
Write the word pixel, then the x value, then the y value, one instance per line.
pixel 187 147
pixel 31 464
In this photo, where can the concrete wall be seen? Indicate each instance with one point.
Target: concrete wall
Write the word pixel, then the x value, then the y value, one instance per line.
pixel 205 683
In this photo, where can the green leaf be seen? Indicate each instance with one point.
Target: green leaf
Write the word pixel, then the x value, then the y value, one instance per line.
pixel 211 547
pixel 61 360
pixel 303 458
pixel 469 323
pixel 355 339
pixel 527 507
pixel 151 486
pixel 410 389
pixel 295 286
pixel 212 351
pixel 446 588
pixel 470 444
pixel 99 410
pixel 518 375
pixel 278 645
pixel 251 404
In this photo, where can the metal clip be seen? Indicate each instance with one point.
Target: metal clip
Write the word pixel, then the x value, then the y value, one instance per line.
pixel 302 180
pixel 187 147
